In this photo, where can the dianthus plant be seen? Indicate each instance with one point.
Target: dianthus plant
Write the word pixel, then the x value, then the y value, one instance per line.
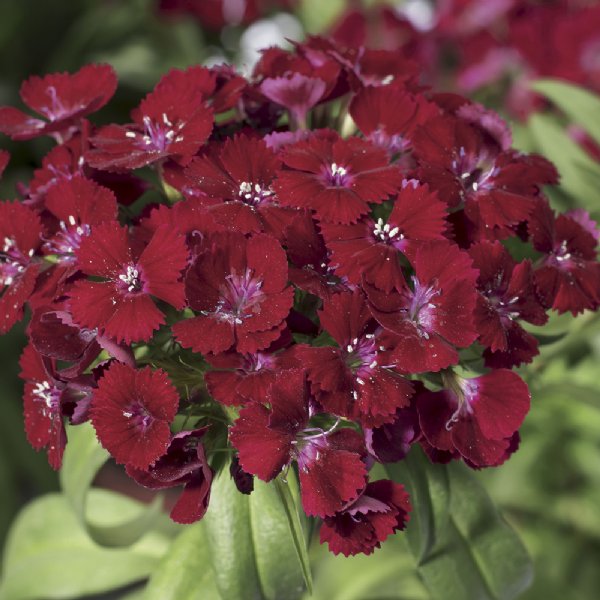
pixel 327 278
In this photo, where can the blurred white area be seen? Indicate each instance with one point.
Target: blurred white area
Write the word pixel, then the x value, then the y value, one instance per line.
pixel 419 12
pixel 274 31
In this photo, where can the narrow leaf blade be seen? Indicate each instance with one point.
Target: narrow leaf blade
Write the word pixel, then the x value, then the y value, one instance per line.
pixel 185 572
pixel 462 546
pixel 83 458
pixel 580 105
pixel 296 529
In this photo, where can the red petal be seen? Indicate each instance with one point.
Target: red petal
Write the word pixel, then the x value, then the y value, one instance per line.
pixel 204 334
pixel 333 480
pixel 105 252
pixel 120 390
pixel 263 451
pixel 162 261
pixel 500 401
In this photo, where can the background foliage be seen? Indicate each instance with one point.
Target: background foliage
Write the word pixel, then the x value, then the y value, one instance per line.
pixel 549 491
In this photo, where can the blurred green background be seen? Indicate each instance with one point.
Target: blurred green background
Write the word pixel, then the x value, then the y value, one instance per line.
pixel 550 490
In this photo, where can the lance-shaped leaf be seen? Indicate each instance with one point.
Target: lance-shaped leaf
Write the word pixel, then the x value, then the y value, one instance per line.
pixel 82 460
pixel 462 546
pixel 185 572
pixel 581 106
pixel 252 551
pixel 49 555
pixel 579 174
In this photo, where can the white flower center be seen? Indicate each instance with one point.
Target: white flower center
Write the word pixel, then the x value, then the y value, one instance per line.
pixel 385 232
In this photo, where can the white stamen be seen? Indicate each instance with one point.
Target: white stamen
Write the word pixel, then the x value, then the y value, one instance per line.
pixel 336 170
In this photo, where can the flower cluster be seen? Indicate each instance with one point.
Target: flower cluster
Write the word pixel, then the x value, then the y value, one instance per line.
pixel 495 47
pixel 325 279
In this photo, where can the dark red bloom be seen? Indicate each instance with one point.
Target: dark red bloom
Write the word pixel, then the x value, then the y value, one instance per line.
pixel 241 378
pixel 121 305
pixel 312 60
pixel 388 116
pixel 236 179
pixel 506 293
pixel 297 93
pixel 357 379
pixel 239 288
pixel 434 316
pixel 62 99
pixel 131 411
pixel 174 120
pixel 391 441
pixel 42 407
pixel 476 417
pixel 50 396
pixel 331 470
pixel 310 266
pixel 53 334
pixel 366 67
pixel 20 237
pixel 184 463
pixel 374 249
pixel 567 278
pixel 336 178
pixel 382 509
pixel 497 186
pixel 78 204
pixel 62 162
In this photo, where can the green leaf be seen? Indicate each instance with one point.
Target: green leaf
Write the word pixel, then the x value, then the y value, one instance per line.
pixel 296 529
pixel 317 16
pixel 581 106
pixel 580 175
pixel 462 546
pixel 389 573
pixel 185 573
pixel 252 552
pixel 49 555
pixel 281 572
pixel 82 460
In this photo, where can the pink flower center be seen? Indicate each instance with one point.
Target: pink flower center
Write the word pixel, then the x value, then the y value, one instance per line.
pixel 258 362
pixel 56 110
pixel 337 176
pixel 49 396
pixel 68 239
pixel 393 144
pixel 241 296
pixel 157 136
pixel 254 194
pixel 421 309
pixel 361 355
pixel 130 280
pixel 505 308
pixel 12 262
pixel 561 256
pixel 138 415
pixel 474 171
pixel 308 448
